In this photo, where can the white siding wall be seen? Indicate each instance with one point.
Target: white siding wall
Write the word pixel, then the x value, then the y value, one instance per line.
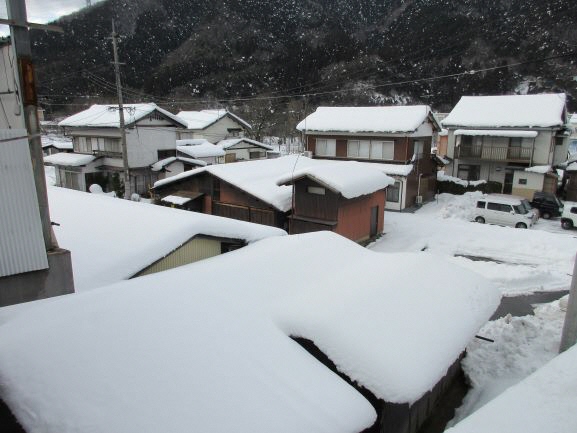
pixel 143 144
pixel 543 148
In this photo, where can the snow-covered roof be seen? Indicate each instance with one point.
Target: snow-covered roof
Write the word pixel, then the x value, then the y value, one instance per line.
pixel 508 111
pixel 69 159
pixel 159 165
pixel 571 167
pixel 259 178
pixel 543 402
pixel 394 119
pixel 443 132
pixel 108 246
pixel 225 144
pixel 199 148
pixel 497 133
pixel 204 118
pixel 176 199
pixel 57 141
pixel 351 179
pixel 137 356
pixel 107 116
pixel 540 169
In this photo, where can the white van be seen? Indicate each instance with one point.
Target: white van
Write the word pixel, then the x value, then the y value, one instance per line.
pixel 505 210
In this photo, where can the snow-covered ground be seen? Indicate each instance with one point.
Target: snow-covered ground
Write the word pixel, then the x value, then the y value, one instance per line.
pixel 516 260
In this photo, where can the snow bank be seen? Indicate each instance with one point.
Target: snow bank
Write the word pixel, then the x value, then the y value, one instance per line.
pixel 107 116
pixel 137 356
pixel 518 111
pixel 113 239
pixel 350 179
pixel 395 119
pixel 543 402
pixel 69 159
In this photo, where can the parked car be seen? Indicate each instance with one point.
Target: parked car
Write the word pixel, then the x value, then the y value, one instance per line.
pixel 505 210
pixel 569 216
pixel 548 204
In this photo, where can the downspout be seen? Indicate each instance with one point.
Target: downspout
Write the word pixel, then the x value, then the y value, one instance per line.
pixel 532 152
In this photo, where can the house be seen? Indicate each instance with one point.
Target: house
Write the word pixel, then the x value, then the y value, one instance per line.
pixel 212 125
pixel 260 191
pixel 544 401
pixel 398 138
pixel 492 137
pixel 113 239
pixel 200 149
pixel 345 198
pixel 150 137
pixel 243 149
pixel 52 143
pixel 229 337
pixel 532 179
pixel 175 165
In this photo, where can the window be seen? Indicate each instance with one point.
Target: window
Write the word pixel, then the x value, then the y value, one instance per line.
pixel 258 154
pixel 574 210
pixel 82 145
pixel 418 148
pixel 316 190
pixel 69 179
pixel 499 207
pixel 481 204
pixel 325 147
pixel 559 141
pixel 382 150
pixel 353 148
pixel 522 181
pixel 393 192
pixel 469 172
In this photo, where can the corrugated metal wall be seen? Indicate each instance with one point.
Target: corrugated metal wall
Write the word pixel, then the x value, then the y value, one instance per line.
pixel 22 246
pixel 194 250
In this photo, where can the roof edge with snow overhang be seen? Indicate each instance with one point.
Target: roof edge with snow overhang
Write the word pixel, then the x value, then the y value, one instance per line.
pixel 497 133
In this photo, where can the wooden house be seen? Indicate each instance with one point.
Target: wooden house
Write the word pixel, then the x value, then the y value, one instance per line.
pixel 212 125
pixel 397 138
pixel 262 192
pixel 243 149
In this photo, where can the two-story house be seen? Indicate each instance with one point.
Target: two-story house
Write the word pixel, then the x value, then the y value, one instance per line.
pixel 212 125
pixel 397 140
pixel 496 138
pixel 97 158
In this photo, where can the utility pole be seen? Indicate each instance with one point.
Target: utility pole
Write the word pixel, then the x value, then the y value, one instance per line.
pixel 569 335
pixel 21 43
pixel 127 192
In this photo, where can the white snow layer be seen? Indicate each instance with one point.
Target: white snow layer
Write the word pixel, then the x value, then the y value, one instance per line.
pixel 159 165
pixel 204 118
pixel 543 402
pixel 544 110
pixel 225 144
pixel 57 141
pixel 113 239
pixel 69 159
pixel 259 178
pixel 539 169
pixel 107 116
pixel 199 148
pixel 175 199
pixel 199 349
pixel 394 119
pixel 351 179
pixel 496 133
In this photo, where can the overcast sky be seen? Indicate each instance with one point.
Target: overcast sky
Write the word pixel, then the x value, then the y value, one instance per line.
pixel 43 11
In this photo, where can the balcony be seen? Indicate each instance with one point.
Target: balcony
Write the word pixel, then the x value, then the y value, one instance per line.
pixel 495 153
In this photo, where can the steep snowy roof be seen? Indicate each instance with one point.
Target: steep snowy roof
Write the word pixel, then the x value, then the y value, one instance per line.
pixel 394 119
pixel 69 159
pixel 113 239
pixel 159 165
pixel 204 118
pixel 351 179
pixel 107 116
pixel 508 111
pixel 543 402
pixel 137 356
pixel 225 144
pixel 199 148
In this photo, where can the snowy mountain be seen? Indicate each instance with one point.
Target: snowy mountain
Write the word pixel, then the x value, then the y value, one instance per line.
pixel 340 51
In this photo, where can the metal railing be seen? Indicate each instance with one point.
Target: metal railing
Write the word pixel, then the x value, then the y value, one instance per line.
pixel 495 153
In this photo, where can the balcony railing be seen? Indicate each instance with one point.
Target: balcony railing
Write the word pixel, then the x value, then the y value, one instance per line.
pixel 494 153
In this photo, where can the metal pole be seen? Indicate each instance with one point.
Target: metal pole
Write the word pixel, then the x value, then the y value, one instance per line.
pixel 569 335
pixel 127 192
pixel 21 44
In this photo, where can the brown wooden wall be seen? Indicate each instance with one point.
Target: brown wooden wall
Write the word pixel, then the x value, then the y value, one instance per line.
pixel 324 207
pixel 300 226
pixel 354 221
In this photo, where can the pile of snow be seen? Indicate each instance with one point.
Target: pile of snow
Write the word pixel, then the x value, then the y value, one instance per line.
pixel 522 345
pixel 394 119
pixel 544 401
pixel 442 177
pixel 506 111
pixel 351 179
pixel 108 116
pixel 152 348
pixel 112 239
pixel 69 159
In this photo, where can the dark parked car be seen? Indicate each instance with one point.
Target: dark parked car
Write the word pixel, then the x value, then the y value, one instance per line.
pixel 548 204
